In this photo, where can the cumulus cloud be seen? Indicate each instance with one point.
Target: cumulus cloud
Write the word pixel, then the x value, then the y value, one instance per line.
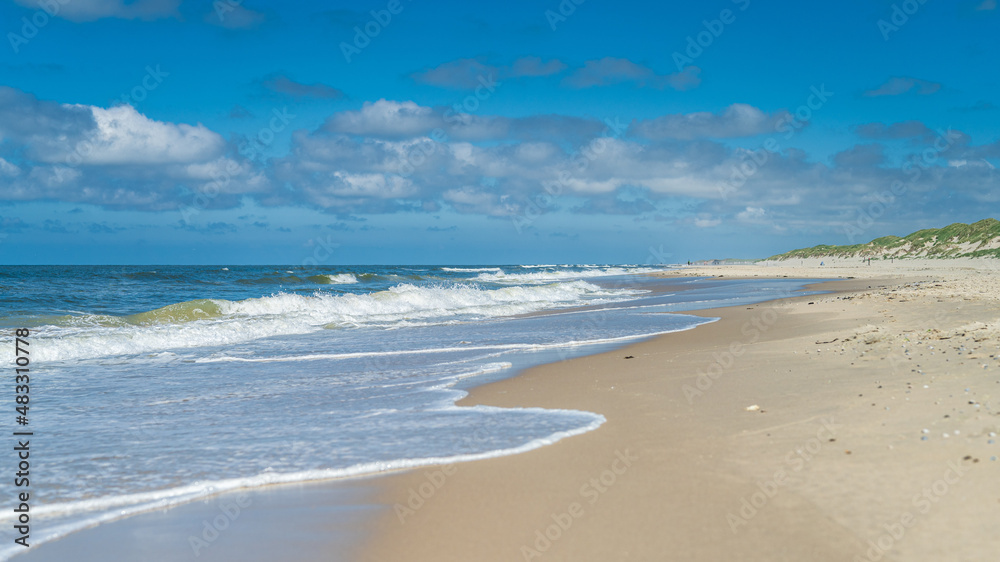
pixel 610 70
pixel 386 157
pixel 8 169
pixel 388 119
pixel 899 85
pixel 471 200
pixel 90 10
pixel 115 157
pixel 737 120
pixel 125 136
pixel 41 126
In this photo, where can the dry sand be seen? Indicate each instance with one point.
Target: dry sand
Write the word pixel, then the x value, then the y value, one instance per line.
pixel 859 425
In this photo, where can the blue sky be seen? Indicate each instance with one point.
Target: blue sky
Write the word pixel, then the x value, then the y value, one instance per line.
pixel 409 131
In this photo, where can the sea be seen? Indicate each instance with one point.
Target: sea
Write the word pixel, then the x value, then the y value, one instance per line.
pixel 154 386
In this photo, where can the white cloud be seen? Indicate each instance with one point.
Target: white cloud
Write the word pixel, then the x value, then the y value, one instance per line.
pixel 751 214
pixel 125 136
pixel 386 119
pixel 8 169
pixel 475 201
pixel 737 120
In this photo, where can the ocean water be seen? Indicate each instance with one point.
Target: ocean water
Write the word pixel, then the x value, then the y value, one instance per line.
pixel 153 386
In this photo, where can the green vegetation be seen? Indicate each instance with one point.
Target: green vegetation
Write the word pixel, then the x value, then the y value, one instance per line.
pixel 959 240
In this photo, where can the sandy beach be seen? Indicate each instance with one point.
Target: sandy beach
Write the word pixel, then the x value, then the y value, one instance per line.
pixel 856 425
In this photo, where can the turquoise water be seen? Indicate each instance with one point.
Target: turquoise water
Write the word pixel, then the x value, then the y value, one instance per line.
pixel 155 386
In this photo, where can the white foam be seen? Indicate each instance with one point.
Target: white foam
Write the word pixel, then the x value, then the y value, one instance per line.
pixel 288 314
pixel 470 269
pixel 120 507
pixel 561 275
pixel 342 279
pixel 493 348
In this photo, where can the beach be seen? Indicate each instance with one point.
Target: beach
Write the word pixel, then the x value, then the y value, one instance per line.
pixel 858 425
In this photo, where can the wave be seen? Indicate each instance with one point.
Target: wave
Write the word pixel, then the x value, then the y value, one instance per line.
pixel 213 322
pixel 562 274
pixel 291 279
pixel 336 279
pixel 696 321
pixel 119 507
pixel 470 269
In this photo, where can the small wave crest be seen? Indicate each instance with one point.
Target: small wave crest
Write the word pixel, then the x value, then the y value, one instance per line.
pixel 213 322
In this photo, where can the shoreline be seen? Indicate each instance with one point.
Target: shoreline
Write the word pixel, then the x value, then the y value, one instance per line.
pixel 830 465
pixel 481 507
pixel 113 526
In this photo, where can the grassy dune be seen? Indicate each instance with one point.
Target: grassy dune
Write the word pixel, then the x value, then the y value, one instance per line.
pixel 959 240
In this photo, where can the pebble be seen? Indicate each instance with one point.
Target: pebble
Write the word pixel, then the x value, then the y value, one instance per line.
pixel 925 430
